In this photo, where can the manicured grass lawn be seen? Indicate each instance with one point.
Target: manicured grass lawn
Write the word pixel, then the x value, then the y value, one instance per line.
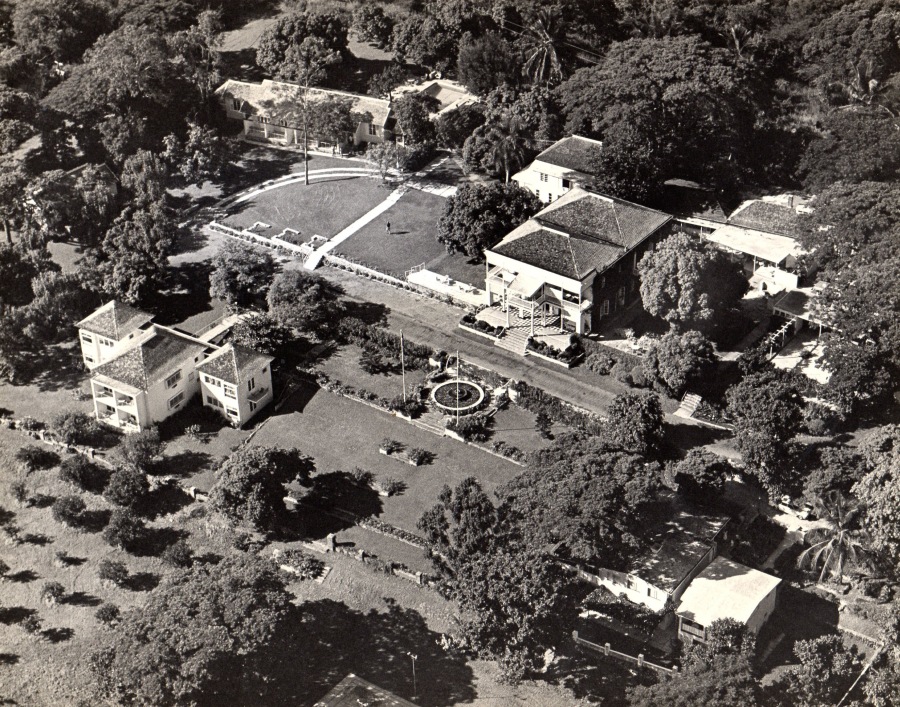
pixel 342 434
pixel 343 365
pixel 323 208
pixel 515 426
pixel 412 241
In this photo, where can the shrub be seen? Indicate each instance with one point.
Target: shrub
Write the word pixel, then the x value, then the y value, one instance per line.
pixel 19 491
pixel 108 614
pixel 140 449
pixel 29 424
pixel 68 510
pixel 178 554
pixel 536 400
pixel 76 428
pixel 411 407
pixel 600 363
pixel 80 472
pixel 303 564
pixel 390 445
pixel 509 451
pixel 393 487
pixel 418 456
pixel 4 569
pixel 113 571
pixel 33 458
pixel 127 487
pixel 472 428
pixel 362 477
pixel 242 542
pixel 543 424
pixel 52 592
pixel 638 379
pixel 31 624
pixel 125 530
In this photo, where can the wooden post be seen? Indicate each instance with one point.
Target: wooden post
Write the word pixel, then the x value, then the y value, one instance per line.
pixel 403 366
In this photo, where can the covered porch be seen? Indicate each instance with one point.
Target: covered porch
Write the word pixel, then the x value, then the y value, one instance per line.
pixel 528 300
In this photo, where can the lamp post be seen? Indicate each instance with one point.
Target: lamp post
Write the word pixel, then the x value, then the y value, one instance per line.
pixel 413 656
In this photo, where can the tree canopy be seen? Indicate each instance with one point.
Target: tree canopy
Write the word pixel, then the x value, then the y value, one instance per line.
pixel 203 634
pixel 479 215
pixel 305 301
pixel 278 43
pixel 241 273
pixel 677 360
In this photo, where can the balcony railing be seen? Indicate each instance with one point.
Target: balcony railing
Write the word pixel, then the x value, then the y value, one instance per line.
pixel 257 394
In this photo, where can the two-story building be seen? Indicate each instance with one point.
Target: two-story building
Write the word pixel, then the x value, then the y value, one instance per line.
pixel 572 161
pixel 237 381
pixel 269 112
pixel 572 263
pixel 142 373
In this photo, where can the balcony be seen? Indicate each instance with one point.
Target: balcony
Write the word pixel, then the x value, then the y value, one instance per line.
pixel 257 394
pixel 125 401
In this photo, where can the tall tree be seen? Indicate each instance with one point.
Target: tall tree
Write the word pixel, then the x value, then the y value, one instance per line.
pixel 250 485
pixel 414 117
pixel 689 283
pixel 701 476
pixel 479 215
pixel 16 273
pixel 825 672
pixel 544 46
pixel 486 62
pixel 677 360
pixel 241 274
pixel 50 30
pixel 306 302
pixel 841 542
pixel 279 46
pixel 202 636
pixel 635 421
pixel 880 490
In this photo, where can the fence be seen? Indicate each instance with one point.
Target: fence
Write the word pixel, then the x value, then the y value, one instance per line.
pixel 637 661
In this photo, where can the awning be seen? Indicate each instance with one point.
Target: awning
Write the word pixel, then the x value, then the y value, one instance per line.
pixel 525 286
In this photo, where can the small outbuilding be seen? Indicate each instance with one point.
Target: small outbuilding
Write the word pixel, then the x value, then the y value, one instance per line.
pixel 726 590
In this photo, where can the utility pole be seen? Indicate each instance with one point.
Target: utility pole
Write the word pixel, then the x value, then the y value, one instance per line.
pixel 413 656
pixel 458 371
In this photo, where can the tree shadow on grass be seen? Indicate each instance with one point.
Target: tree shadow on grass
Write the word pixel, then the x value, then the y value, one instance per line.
pixel 338 490
pixel 142 582
pixel 188 294
pixel 689 436
pixel 58 634
pixel 82 599
pixel 8 659
pixel 184 464
pixel 300 398
pixel 14 614
pixel 375 646
pixel 37 538
pixel 162 501
pixel 94 521
pixel 157 540
pixel 22 576
pixel 41 500
pixel 55 368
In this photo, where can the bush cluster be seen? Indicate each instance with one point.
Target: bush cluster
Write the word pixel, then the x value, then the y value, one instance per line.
pixel 537 401
pixel 356 331
pixel 472 428
pixel 469 320
pixel 306 566
pixel 567 355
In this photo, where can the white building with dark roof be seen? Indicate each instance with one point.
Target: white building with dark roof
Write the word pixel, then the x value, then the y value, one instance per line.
pixel 567 163
pixel 141 372
pixel 269 112
pixel 726 590
pixel 572 263
pixel 236 381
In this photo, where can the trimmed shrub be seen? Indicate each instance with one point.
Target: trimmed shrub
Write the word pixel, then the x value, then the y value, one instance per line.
pixel 537 400
pixel 31 624
pixel 53 592
pixel 362 477
pixel 393 487
pixel 600 363
pixel 390 445
pixel 411 407
pixel 304 565
pixel 472 428
pixel 418 456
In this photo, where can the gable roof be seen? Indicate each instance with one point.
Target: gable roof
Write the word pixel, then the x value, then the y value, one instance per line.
pixel 581 232
pixel 725 590
pixel 274 99
pixel 233 364
pixel 151 359
pixel 353 691
pixel 114 320
pixel 580 154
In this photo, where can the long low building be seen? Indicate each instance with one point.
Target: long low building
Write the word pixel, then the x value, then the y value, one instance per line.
pixel 142 373
pixel 269 112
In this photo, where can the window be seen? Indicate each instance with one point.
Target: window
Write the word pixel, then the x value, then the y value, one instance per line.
pixel 251 384
pixel 265 368
pixel 603 281
pixel 620 296
pixel 191 376
pixel 372 129
pixel 105 342
pixel 567 183
pixel 253 406
pixel 229 392
pixel 176 401
pixel 212 381
pixel 232 412
pixel 543 177
pixel 172 380
pixel 235 104
pixel 605 308
pixel 88 359
pixel 537 193
pixel 211 400
pixel 86 338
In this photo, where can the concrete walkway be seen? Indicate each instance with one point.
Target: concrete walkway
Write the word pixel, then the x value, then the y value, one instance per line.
pixel 312 262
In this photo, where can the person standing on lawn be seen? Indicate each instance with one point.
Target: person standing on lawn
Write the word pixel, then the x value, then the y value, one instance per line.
pixel 387 228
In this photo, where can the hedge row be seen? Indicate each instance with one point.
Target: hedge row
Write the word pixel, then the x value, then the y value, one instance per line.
pixel 356 331
pixel 539 401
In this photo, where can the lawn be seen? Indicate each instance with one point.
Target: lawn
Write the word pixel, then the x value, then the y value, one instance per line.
pixel 321 208
pixel 342 434
pixel 412 241
pixel 343 365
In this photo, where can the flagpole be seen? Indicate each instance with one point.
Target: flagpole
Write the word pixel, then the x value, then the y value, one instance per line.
pixel 458 369
pixel 402 366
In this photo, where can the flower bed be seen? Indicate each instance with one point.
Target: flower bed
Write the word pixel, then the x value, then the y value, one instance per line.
pixel 479 326
pixel 567 357
pixel 453 395
pixel 601 353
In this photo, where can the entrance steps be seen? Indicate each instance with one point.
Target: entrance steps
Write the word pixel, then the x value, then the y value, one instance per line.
pixel 515 340
pixel 689 404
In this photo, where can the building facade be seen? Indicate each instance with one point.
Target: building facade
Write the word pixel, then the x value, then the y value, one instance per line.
pixel 142 373
pixel 268 112
pixel 570 162
pixel 574 262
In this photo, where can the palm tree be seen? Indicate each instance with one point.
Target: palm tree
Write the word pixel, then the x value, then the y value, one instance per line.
pixel 840 542
pixel 543 44
pixel 509 144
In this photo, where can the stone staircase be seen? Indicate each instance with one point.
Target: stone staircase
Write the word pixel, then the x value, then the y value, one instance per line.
pixel 689 404
pixel 514 340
